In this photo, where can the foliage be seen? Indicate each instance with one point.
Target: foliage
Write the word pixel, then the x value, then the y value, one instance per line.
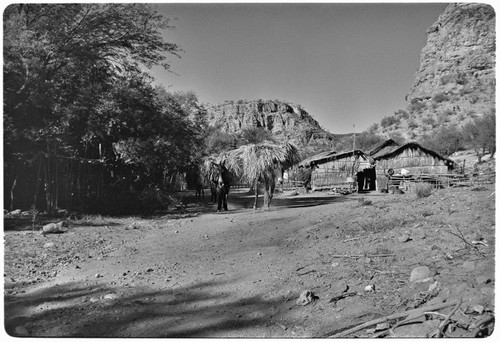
pixel 389 121
pixel 445 141
pixel 480 135
pixel 440 97
pixel 423 190
pixel 412 124
pixel 263 161
pixel 75 90
pixel 402 114
pixel 416 106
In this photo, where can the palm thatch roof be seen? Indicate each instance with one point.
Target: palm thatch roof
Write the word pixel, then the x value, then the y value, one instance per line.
pixel 253 160
pixel 325 157
pixel 378 148
pixel 392 151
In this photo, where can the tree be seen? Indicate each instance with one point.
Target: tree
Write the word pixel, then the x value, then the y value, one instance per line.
pixel 263 161
pixel 446 140
pixel 74 84
pixel 480 135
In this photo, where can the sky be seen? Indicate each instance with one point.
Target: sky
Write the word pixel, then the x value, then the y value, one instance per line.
pixel 347 64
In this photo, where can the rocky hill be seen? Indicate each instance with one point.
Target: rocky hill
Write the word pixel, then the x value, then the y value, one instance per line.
pixel 287 122
pixel 456 78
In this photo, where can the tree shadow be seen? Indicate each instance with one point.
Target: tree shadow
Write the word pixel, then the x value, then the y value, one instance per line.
pixel 198 310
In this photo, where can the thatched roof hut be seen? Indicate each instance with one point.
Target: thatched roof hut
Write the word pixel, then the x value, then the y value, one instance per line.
pixel 414 158
pixel 335 170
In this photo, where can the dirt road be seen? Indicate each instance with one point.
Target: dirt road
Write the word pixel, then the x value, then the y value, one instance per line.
pixel 239 273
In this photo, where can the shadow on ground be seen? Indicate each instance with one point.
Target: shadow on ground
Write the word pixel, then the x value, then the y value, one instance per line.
pixel 242 199
pixel 191 311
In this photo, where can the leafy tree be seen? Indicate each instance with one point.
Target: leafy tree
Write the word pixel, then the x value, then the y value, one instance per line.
pixel 445 141
pixel 74 85
pixel 480 135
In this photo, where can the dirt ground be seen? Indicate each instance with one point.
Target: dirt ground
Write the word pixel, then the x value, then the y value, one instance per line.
pixel 199 273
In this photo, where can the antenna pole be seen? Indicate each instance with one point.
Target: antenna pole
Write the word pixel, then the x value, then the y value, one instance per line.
pixel 353 139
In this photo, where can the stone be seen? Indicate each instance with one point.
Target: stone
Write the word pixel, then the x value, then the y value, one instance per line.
pixel 54 228
pixel 306 297
pixel 111 296
pixel 420 273
pixel 287 122
pixel 15 212
pixel 404 238
pixel 21 331
pixel 48 245
pixel 456 76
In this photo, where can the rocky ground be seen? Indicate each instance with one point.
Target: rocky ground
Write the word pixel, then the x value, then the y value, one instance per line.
pixel 315 265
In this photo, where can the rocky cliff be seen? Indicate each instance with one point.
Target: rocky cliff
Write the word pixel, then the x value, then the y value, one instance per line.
pixel 456 78
pixel 287 122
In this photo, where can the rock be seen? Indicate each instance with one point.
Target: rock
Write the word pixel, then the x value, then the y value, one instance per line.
pixel 15 212
pixel 287 122
pixel 478 308
pixel 370 288
pixel 111 296
pixel 457 69
pixel 420 273
pixel 98 275
pixel 48 245
pixel 433 286
pixel 54 228
pixel 306 297
pixel 404 238
pixel 93 299
pixel 21 331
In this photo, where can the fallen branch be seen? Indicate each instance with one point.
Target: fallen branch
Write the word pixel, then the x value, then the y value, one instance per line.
pixel 441 327
pixel 414 313
pixel 362 256
pixel 341 296
pixel 467 243
pixel 479 325
pixel 352 239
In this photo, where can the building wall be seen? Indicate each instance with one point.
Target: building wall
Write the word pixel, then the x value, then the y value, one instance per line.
pixel 335 173
pixel 415 161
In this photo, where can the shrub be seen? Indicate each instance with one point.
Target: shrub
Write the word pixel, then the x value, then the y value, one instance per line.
pixel 447 79
pixel 412 124
pixel 440 97
pixel 402 114
pixel 429 120
pixel 388 121
pixel 416 106
pixel 423 190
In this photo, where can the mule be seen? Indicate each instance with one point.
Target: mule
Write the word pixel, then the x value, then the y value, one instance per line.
pixel 220 181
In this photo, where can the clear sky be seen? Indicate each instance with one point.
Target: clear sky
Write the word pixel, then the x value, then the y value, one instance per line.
pixel 346 64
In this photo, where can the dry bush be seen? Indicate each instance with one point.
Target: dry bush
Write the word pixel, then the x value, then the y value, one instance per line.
pixel 423 190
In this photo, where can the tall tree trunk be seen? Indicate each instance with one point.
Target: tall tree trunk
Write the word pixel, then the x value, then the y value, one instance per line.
pixel 12 193
pixel 256 188
pixel 37 183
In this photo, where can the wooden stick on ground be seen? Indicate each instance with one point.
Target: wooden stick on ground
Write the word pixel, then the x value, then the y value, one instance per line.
pixel 442 326
pixel 362 256
pixel 395 316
